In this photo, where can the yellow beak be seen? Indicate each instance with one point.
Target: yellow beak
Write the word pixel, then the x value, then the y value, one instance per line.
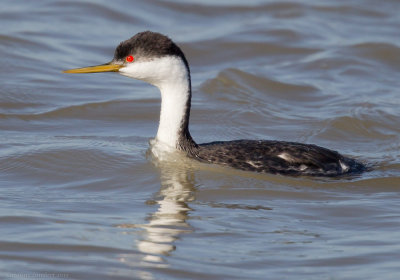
pixel 108 67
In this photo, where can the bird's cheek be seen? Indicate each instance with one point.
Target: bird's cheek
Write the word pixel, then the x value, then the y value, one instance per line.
pixel 129 71
pixel 138 73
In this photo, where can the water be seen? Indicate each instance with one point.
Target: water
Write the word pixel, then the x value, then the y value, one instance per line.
pixel 82 199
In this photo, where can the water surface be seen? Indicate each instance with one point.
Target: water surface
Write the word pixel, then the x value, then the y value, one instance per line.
pixel 81 198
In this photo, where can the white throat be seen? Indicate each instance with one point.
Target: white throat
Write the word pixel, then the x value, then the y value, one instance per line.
pixel 171 76
pixel 174 98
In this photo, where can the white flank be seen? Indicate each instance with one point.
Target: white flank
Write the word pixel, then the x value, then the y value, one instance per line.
pixel 303 167
pixel 344 167
pixel 286 157
pixel 252 163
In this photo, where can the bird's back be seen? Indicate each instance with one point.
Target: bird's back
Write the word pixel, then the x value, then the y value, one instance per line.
pixel 278 157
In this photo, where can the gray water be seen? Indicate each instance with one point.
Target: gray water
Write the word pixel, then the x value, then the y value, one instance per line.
pixel 81 198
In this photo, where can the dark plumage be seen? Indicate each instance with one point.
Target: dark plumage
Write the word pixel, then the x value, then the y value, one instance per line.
pixel 278 157
pixel 147 45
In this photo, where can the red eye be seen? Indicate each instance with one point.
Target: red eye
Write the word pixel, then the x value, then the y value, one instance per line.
pixel 129 58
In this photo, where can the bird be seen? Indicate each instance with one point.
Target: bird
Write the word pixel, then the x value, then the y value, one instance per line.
pixel 154 58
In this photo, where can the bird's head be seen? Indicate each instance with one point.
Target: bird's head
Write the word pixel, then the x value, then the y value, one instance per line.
pixel 147 56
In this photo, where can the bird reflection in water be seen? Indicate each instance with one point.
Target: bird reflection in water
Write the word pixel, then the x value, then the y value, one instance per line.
pixel 167 224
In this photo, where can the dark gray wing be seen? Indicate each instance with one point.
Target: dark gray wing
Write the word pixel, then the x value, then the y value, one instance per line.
pixel 287 158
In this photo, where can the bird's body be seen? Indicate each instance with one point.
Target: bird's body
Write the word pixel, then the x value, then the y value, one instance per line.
pixel 154 58
pixel 278 157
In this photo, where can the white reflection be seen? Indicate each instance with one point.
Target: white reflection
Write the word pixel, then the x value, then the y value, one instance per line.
pixel 169 221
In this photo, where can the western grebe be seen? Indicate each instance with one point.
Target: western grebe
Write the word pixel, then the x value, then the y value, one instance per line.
pixel 156 59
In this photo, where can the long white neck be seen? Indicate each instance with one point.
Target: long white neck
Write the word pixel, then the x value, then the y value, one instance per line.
pixel 175 98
